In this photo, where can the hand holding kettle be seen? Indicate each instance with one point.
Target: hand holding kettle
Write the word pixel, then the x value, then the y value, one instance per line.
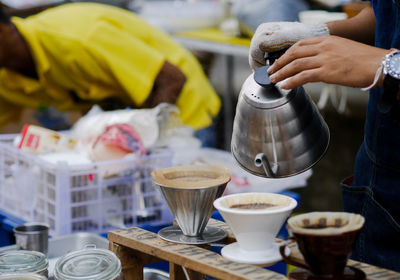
pixel 314 56
pixel 274 36
pixel 333 60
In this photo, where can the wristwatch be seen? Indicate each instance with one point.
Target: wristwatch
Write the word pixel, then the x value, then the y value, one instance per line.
pixel 391 72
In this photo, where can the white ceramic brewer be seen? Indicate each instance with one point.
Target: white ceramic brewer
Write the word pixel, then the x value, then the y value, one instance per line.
pixel 254 229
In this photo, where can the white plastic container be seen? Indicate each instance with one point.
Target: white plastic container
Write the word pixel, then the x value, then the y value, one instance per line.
pixel 95 197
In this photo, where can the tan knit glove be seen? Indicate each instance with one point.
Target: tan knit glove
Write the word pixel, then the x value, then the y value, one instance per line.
pixel 274 36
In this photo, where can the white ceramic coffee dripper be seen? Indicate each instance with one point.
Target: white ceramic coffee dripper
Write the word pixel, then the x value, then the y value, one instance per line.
pixel 254 230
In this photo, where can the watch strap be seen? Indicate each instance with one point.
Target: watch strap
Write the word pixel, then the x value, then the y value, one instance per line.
pixel 391 85
pixel 391 94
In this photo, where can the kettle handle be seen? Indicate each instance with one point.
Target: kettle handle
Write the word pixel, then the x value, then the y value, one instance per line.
pixel 261 160
pixel 286 258
pixel 270 57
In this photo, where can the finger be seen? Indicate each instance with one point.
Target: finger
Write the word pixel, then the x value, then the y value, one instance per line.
pixel 301 79
pixel 294 67
pixel 293 54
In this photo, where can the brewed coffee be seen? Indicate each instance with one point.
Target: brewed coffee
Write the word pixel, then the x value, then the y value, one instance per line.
pixel 253 206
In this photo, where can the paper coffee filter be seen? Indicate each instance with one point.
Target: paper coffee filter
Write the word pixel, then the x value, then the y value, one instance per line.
pixel 282 202
pixel 334 222
pixel 191 176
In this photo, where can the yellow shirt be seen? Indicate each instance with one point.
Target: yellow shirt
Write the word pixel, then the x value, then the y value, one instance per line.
pixel 99 51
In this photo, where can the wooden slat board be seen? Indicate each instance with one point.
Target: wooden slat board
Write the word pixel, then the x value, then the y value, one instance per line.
pixel 372 272
pixel 192 257
pixel 210 263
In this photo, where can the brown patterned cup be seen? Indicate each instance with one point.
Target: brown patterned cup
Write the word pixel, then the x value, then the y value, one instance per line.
pixel 325 239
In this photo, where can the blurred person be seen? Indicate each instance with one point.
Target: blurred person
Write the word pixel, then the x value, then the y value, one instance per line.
pixel 76 55
pixel 351 53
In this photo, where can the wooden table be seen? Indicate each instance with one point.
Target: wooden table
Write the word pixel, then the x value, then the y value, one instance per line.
pixel 136 248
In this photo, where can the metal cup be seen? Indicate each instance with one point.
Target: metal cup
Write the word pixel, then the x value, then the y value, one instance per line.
pixel 32 237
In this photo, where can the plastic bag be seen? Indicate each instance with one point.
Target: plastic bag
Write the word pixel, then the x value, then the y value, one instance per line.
pixel 150 124
pixel 116 142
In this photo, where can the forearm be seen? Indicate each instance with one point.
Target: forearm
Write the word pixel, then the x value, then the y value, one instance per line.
pixel 360 28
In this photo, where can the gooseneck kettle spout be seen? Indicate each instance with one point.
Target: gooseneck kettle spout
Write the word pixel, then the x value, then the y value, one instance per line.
pixel 262 161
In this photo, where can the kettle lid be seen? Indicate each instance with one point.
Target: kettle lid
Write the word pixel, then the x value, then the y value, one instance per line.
pixel 259 92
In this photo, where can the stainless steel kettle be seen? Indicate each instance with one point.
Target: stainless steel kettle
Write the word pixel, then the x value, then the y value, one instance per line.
pixel 276 133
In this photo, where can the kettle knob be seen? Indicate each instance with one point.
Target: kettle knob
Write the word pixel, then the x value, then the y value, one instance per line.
pixel 261 75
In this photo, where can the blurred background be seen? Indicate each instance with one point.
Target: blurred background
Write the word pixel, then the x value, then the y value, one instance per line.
pixel 223 56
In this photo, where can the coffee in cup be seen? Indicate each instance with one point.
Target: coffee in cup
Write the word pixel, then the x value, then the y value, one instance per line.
pixel 253 206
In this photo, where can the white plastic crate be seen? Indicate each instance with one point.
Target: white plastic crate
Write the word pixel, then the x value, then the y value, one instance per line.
pixel 94 197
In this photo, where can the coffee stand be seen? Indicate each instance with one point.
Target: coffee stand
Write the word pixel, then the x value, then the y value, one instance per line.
pixel 136 248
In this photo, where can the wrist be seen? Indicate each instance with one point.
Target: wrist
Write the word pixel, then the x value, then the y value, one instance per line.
pixel 379 74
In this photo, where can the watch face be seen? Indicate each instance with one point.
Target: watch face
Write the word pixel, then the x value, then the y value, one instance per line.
pixel 392 65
